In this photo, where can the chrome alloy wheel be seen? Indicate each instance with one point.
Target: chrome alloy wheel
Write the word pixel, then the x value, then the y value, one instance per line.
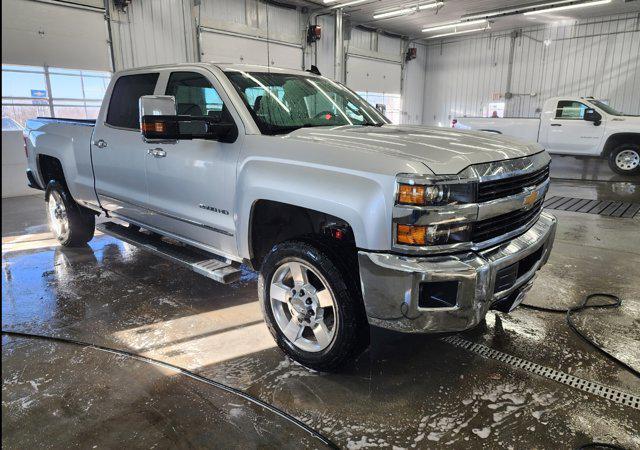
pixel 303 306
pixel 627 159
pixel 58 217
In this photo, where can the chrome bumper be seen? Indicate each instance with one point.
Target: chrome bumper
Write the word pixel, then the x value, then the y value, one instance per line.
pixel 391 283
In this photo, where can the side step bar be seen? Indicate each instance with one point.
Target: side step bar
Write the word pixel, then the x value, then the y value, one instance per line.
pixel 207 264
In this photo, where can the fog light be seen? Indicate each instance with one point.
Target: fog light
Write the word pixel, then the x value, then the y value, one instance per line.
pixel 438 294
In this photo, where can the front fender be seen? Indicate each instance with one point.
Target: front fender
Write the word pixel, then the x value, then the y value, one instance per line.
pixel 363 200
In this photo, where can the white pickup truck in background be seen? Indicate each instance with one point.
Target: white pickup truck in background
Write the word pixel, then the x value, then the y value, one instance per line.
pixel 573 126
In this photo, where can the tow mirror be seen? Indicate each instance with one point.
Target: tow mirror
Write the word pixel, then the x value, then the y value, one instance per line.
pixel 591 115
pixel 160 123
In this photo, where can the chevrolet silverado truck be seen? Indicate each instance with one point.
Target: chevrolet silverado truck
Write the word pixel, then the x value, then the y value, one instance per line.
pixel 351 221
pixel 573 126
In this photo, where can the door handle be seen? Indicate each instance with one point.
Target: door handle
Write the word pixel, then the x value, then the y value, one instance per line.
pixel 100 143
pixel 556 124
pixel 157 152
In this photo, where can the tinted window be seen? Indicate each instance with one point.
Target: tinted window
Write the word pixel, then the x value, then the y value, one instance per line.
pixel 124 105
pixel 570 110
pixel 195 96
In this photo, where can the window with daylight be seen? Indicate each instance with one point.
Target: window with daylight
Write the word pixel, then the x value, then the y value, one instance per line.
pixel 32 91
pixel 388 104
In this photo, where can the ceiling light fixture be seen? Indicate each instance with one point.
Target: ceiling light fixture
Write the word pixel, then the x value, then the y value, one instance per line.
pixel 409 10
pixel 564 8
pixel 342 5
pixel 459 32
pixel 454 25
pixel 515 10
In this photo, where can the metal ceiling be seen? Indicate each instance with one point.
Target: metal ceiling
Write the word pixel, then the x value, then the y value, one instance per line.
pixel 412 24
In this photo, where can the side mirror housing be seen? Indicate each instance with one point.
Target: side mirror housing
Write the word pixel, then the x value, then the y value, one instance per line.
pixel 160 123
pixel 591 115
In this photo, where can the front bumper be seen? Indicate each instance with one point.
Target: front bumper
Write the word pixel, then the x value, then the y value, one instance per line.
pixel 391 283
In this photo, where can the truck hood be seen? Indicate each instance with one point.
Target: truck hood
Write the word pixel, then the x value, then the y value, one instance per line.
pixel 444 151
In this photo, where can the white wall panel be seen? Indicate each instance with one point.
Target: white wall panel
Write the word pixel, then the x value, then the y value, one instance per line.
pixel 413 86
pixel 153 32
pixel 598 56
pixel 38 34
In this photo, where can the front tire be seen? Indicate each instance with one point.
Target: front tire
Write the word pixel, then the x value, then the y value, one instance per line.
pixel 311 309
pixel 72 225
pixel 625 159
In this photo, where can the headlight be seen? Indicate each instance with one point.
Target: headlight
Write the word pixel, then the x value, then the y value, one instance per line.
pixel 435 194
pixel 433 211
pixel 435 234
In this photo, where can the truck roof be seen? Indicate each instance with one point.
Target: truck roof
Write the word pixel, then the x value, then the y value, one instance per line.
pixel 222 66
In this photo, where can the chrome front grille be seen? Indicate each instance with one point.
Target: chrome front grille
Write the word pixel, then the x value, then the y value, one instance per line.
pixel 504 187
pixel 487 229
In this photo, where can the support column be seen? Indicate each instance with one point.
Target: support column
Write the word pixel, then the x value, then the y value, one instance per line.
pixel 339 48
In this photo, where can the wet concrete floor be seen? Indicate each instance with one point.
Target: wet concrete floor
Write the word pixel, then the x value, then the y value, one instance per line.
pixel 404 392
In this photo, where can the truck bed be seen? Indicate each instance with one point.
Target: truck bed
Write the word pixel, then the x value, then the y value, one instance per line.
pixel 69 142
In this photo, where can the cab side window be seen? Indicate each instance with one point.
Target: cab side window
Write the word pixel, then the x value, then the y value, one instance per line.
pixel 195 96
pixel 124 109
pixel 568 109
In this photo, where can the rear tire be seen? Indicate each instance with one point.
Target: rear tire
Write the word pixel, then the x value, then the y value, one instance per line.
pixel 312 311
pixel 625 159
pixel 71 224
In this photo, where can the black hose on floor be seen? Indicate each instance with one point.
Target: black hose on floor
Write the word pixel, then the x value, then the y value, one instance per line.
pixel 182 371
pixel 614 303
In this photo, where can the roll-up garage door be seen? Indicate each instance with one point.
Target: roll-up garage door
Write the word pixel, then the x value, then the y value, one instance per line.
pixel 38 34
pixel 231 48
pixel 372 75
pixel 378 82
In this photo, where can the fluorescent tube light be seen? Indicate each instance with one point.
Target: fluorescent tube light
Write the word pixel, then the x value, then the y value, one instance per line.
pixel 514 10
pixel 342 5
pixel 405 11
pixel 453 25
pixel 458 32
pixel 564 8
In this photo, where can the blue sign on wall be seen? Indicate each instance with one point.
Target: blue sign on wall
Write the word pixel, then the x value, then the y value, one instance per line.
pixel 39 93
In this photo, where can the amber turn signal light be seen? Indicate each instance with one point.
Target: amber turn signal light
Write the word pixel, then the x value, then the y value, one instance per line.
pixel 411 235
pixel 409 194
pixel 153 127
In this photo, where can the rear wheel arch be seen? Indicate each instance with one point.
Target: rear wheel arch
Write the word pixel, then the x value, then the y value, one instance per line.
pixel 50 169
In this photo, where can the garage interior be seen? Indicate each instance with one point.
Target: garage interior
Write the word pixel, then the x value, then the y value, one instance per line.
pixel 144 353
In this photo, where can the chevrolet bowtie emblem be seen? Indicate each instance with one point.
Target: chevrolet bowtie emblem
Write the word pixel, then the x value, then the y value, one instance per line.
pixel 530 199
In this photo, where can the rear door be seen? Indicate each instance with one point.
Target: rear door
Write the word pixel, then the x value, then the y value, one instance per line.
pixel 118 152
pixel 569 133
pixel 192 183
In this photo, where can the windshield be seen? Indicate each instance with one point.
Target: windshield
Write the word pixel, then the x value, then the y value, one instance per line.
pixel 606 108
pixel 281 103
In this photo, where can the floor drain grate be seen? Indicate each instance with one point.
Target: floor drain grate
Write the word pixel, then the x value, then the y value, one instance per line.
pixel 570 380
pixel 601 207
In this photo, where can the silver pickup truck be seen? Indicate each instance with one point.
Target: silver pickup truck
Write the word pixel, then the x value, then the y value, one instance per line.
pixel 351 221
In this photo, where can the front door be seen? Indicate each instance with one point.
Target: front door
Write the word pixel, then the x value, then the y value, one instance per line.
pixel 569 133
pixel 117 150
pixel 191 183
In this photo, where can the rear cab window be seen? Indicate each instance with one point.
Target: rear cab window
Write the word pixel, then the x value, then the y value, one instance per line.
pixel 124 109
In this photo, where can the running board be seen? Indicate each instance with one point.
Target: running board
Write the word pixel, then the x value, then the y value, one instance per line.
pixel 211 266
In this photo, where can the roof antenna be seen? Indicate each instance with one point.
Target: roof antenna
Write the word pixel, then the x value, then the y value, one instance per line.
pixel 314 70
